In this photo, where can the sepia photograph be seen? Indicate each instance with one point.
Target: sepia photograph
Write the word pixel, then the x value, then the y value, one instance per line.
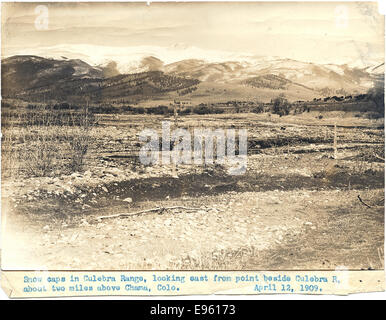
pixel 192 136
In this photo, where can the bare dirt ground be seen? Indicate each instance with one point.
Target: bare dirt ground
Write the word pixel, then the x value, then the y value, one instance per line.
pixel 295 208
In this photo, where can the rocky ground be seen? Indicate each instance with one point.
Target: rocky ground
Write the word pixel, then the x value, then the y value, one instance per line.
pixel 295 208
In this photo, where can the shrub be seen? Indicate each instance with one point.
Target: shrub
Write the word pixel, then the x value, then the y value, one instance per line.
pixel 202 109
pixel 281 106
pixel 185 111
pixel 377 95
pixel 79 144
pixel 139 110
pixel 218 111
pixel 158 110
pixel 258 109
pixel 47 143
pixel 40 158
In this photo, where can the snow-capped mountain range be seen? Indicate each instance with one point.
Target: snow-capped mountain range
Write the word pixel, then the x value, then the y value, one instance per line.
pixel 129 59
pixel 207 66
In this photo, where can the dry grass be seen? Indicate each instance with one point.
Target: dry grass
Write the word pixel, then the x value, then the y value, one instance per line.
pixel 40 143
pixel 219 260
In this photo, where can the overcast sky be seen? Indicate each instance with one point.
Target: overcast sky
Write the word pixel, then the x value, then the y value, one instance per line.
pixel 316 32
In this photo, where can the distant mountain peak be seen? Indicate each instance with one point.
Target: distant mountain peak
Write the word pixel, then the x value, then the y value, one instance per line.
pixel 151 63
pixel 27 74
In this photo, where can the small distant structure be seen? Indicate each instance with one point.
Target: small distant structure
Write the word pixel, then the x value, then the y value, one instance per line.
pixel 180 105
pixel 183 103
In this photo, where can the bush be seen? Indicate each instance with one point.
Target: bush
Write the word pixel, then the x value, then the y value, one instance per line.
pixel 79 144
pixel 47 143
pixel 218 111
pixel 185 111
pixel 301 109
pixel 40 158
pixel 201 109
pixel 258 109
pixel 281 106
pixel 158 110
pixel 377 95
pixel 139 110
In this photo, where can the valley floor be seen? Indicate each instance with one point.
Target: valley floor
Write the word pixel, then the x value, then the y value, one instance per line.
pixel 295 208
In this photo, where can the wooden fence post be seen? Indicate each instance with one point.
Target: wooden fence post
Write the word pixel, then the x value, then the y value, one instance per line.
pixel 335 143
pixel 175 175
